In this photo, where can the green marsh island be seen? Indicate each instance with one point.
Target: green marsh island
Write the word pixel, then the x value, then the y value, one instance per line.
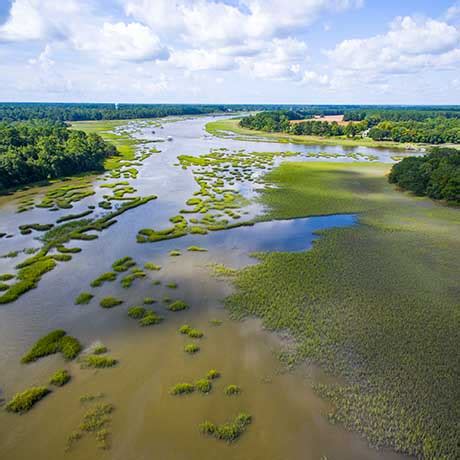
pixel 229 282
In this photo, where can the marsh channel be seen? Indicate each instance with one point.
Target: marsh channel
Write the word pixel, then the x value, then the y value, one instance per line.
pixel 147 422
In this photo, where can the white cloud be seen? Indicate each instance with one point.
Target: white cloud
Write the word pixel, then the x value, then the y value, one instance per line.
pixel 37 19
pixel 123 42
pixel 312 77
pixel 202 59
pixel 410 45
pixel 280 59
pixel 221 24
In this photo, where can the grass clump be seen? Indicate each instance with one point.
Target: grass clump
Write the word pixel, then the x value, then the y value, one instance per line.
pixel 151 266
pixel 191 348
pixel 60 378
pixel 54 342
pixel 229 431
pixel 136 312
pixel 148 301
pixel 83 298
pixel 212 374
pixel 182 388
pixel 99 362
pixel 99 349
pixel 100 280
pixel 23 402
pixel 150 319
pixel 232 390
pixel 123 264
pixel 70 347
pixel 172 285
pixel 178 305
pixel 196 249
pixel 175 253
pixel 110 302
pixel 191 332
pixel 203 385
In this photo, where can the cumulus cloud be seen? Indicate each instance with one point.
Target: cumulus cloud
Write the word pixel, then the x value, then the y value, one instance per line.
pixel 409 46
pixel 37 19
pixel 201 21
pixel 123 42
pixel 76 23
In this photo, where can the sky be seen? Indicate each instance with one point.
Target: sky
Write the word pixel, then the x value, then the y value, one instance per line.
pixel 231 51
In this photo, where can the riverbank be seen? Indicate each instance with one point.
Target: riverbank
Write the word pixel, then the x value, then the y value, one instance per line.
pixel 375 304
pixel 230 128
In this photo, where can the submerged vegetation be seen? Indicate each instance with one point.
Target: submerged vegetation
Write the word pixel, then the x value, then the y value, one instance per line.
pixel 23 402
pixel 95 421
pixel 54 342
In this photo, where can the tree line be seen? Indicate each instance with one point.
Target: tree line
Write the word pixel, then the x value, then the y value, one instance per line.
pixel 39 150
pixel 79 112
pixel 436 175
pixel 427 126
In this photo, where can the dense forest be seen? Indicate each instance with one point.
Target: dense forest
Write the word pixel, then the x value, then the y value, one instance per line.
pixel 398 125
pixel 436 174
pixel 38 150
pixel 77 112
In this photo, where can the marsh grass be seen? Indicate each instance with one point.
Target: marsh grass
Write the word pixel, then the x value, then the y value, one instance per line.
pixel 171 285
pixel 150 319
pixel 191 348
pixel 110 302
pixel 123 264
pixel 148 301
pixel 23 402
pixel 151 266
pixel 98 362
pixel 203 386
pixel 83 298
pixel 182 389
pixel 387 326
pixel 100 280
pixel 54 342
pixel 229 431
pixel 136 312
pixel 60 378
pixel 232 390
pixel 178 305
pixel 175 253
pixel 212 374
pixel 196 249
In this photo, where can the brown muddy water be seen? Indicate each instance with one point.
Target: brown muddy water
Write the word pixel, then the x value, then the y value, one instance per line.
pixel 148 422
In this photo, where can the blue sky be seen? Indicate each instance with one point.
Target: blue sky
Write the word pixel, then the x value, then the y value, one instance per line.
pixel 231 51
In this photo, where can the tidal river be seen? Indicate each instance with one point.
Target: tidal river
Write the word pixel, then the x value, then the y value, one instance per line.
pixel 147 422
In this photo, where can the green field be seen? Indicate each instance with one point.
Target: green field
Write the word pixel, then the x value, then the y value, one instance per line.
pixel 125 144
pixel 377 304
pixel 222 128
